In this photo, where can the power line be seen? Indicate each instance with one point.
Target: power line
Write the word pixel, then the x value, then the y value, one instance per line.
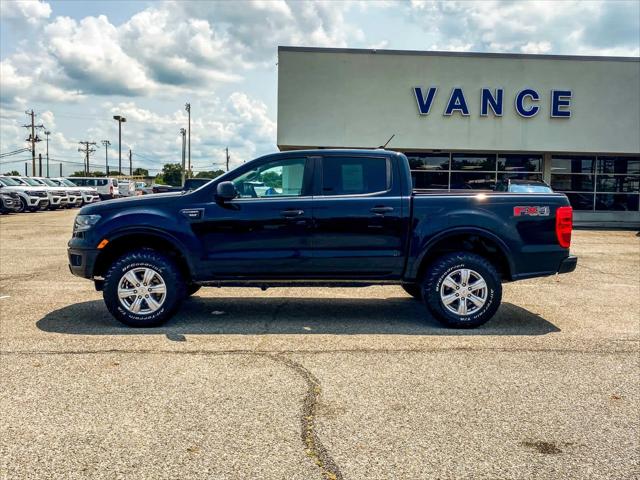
pixel 87 150
pixel 15 152
pixel 33 138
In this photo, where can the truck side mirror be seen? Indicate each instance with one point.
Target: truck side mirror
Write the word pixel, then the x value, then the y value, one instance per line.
pixel 226 191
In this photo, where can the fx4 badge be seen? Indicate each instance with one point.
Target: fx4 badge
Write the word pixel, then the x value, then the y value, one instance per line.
pixel 531 211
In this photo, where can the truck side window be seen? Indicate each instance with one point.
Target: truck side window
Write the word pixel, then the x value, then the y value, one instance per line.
pixel 280 178
pixel 353 176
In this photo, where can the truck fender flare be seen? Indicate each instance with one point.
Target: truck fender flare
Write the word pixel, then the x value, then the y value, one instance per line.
pixel 157 233
pixel 456 231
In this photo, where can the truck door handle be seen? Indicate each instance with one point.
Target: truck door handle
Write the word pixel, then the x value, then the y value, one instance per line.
pixel 291 213
pixel 381 210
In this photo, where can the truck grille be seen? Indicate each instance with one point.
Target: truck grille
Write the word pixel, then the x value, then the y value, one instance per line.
pixel 38 194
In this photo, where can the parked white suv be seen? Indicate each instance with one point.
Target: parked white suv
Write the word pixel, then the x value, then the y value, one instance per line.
pixel 127 188
pixel 89 194
pixel 31 198
pixel 107 187
pixel 57 196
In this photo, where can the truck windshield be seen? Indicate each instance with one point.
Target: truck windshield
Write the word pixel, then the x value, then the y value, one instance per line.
pixel 31 181
pixel 9 182
pixel 68 183
pixel 49 182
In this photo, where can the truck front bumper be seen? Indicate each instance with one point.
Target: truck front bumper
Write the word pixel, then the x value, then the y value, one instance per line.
pixel 568 264
pixel 82 261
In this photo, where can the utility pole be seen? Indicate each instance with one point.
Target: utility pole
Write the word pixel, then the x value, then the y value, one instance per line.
pixel 106 144
pixel 87 150
pixel 183 132
pixel 47 133
pixel 228 157
pixel 26 174
pixel 33 138
pixel 39 164
pixel 60 169
pixel 130 164
pixel 187 107
pixel 120 119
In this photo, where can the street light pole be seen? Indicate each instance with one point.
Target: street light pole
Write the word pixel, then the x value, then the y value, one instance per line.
pixel 120 119
pixel 182 134
pixel 187 107
pixel 106 144
pixel 47 133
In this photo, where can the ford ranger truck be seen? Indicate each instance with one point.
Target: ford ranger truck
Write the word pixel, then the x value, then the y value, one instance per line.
pixel 326 218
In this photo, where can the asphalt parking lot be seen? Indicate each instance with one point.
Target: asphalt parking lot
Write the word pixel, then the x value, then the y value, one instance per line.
pixel 318 383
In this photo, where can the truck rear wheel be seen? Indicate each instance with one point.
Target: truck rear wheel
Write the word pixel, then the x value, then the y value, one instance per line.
pixel 143 288
pixel 462 290
pixel 413 289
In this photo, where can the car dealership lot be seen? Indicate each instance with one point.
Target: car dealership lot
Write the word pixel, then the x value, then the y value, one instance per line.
pixel 312 383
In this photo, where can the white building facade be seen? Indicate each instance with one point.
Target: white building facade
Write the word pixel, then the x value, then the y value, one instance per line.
pixel 469 120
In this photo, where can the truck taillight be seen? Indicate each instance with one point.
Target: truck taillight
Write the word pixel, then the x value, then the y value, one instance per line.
pixel 564 225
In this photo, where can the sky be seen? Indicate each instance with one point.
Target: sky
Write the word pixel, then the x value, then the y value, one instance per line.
pixel 78 63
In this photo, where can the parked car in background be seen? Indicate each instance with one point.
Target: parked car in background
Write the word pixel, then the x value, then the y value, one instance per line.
pixel 9 202
pixel 143 189
pixel 88 194
pixel 127 188
pixel 515 185
pixel 74 194
pixel 57 196
pixel 31 198
pixel 107 187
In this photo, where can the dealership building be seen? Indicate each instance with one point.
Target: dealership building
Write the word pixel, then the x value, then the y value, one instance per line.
pixel 470 120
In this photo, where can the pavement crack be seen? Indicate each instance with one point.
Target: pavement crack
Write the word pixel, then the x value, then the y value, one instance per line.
pixel 312 444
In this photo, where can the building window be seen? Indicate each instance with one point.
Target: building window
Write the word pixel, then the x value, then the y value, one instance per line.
pixel 598 182
pixel 475 171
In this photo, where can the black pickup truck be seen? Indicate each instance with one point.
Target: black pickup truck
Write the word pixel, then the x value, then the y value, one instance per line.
pixel 324 218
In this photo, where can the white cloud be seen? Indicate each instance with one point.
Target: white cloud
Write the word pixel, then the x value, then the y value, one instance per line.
pixel 567 27
pixel 30 12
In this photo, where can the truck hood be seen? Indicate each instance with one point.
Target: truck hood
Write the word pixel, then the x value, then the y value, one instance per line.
pixel 141 201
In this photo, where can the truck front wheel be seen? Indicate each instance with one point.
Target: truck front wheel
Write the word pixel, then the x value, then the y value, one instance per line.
pixel 462 290
pixel 143 288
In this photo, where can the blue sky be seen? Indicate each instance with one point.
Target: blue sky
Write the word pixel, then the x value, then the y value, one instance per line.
pixel 79 63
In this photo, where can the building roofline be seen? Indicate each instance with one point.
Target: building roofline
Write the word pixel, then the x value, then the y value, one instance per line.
pixel 527 56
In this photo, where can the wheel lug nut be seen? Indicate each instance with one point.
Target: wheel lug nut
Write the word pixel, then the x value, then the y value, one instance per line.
pixel 146 296
pixel 135 291
pixel 457 288
pixel 457 295
pixel 139 296
pixel 137 284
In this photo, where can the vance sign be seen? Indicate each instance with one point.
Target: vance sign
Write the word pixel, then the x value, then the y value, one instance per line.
pixel 527 102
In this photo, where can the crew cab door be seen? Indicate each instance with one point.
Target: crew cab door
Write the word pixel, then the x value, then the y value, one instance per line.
pixel 360 227
pixel 265 232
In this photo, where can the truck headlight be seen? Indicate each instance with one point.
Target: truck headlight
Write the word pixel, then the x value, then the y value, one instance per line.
pixel 85 222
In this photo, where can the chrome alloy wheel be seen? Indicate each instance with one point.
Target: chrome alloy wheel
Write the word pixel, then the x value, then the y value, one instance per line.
pixel 142 291
pixel 464 292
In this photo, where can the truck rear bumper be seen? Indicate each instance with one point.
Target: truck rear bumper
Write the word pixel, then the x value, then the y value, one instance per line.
pixel 568 264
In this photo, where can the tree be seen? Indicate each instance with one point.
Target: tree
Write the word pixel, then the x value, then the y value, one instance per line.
pixel 172 174
pixel 13 173
pixel 209 174
pixel 97 173
pixel 141 172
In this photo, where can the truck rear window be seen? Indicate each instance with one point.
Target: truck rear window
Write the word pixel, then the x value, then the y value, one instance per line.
pixel 353 176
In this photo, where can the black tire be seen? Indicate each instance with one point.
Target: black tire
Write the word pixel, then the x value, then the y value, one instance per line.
pixel 23 205
pixel 413 289
pixel 438 272
pixel 163 266
pixel 191 289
